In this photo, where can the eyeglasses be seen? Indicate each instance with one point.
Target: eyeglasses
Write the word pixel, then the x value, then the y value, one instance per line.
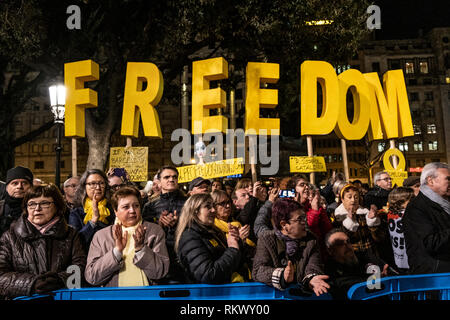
pixel 341 242
pixel 43 204
pixel 116 186
pixel 224 204
pixel 387 179
pixel 94 185
pixel 300 219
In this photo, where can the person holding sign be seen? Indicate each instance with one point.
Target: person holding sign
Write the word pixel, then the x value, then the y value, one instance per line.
pixel 132 252
pixel 207 255
pixel 398 200
pixel 289 254
pixel 92 210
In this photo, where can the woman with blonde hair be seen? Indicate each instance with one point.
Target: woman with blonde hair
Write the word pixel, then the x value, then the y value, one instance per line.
pixel 206 254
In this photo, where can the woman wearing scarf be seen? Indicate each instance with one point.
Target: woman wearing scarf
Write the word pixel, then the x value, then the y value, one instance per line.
pixel 39 247
pixel 289 254
pixel 132 252
pixel 223 206
pixel 207 255
pixel 92 210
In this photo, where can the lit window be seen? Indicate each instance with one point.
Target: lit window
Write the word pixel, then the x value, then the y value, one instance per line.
pixel 409 67
pixel 423 67
pixel 418 146
pixel 432 145
pixel 381 146
pixel 431 128
pixel 403 146
pixel 417 129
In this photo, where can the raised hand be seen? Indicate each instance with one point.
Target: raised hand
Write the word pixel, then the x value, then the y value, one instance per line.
pixel 315 202
pixel 273 194
pixel 289 272
pixel 173 218
pixel 120 239
pixel 244 232
pixel 233 236
pixel 164 219
pixel 139 237
pixel 373 213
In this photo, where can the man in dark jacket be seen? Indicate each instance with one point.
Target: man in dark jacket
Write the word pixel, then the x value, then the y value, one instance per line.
pixel 426 222
pixel 379 194
pixel 18 181
pixel 165 210
pixel 344 267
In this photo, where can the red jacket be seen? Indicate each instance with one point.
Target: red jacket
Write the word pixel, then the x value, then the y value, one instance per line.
pixel 319 224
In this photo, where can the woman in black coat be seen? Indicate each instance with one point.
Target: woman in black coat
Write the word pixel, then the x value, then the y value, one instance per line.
pixel 203 250
pixel 39 247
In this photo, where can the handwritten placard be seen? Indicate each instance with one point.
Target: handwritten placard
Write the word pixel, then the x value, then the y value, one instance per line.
pixel 133 159
pixel 211 170
pixel 307 164
pixel 397 176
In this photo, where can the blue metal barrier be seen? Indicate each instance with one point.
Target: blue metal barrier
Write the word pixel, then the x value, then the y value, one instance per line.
pixel 415 286
pixel 234 291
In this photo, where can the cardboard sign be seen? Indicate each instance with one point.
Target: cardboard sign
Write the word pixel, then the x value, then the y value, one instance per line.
pixel 398 176
pixel 211 170
pixel 307 164
pixel 133 159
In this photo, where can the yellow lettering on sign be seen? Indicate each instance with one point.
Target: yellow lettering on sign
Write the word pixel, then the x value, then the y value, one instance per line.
pixel 392 106
pixel 78 98
pixel 138 102
pixel 204 98
pixel 307 164
pixel 354 81
pixel 311 73
pixel 256 98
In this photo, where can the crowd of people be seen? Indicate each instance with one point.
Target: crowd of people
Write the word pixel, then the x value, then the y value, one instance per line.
pixel 216 232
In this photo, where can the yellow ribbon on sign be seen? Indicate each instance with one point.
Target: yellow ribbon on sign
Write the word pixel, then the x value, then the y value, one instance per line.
pixel 397 174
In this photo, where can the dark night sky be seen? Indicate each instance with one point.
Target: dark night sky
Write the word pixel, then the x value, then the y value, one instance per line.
pixel 402 19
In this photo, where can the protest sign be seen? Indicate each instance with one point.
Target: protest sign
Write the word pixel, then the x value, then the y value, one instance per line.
pixel 133 159
pixel 211 170
pixel 307 164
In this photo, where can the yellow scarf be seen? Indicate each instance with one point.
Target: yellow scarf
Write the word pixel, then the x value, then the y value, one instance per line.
pixel 102 210
pixel 130 275
pixel 222 225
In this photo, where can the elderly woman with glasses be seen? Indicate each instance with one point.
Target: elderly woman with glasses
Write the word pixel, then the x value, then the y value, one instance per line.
pixel 39 247
pixel 92 210
pixel 289 254
pixel 206 254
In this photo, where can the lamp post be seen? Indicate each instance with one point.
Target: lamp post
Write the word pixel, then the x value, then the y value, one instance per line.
pixel 57 105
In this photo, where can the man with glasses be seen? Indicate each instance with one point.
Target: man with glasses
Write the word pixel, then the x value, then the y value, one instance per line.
pixel 165 210
pixel 18 181
pixel 379 194
pixel 344 267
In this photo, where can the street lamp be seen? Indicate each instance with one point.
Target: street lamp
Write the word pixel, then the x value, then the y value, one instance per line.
pixel 57 105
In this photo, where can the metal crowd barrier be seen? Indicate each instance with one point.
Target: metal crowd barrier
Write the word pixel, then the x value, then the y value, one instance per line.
pixel 234 291
pixel 408 287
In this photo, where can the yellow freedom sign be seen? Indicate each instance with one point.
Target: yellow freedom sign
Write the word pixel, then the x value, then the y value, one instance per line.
pixel 397 174
pixel 211 170
pixel 133 159
pixel 307 164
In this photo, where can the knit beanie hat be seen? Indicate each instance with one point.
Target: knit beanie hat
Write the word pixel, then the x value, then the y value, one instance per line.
pixel 19 172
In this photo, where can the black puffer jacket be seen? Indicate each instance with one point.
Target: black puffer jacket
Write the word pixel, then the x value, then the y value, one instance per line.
pixel 25 253
pixel 207 258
